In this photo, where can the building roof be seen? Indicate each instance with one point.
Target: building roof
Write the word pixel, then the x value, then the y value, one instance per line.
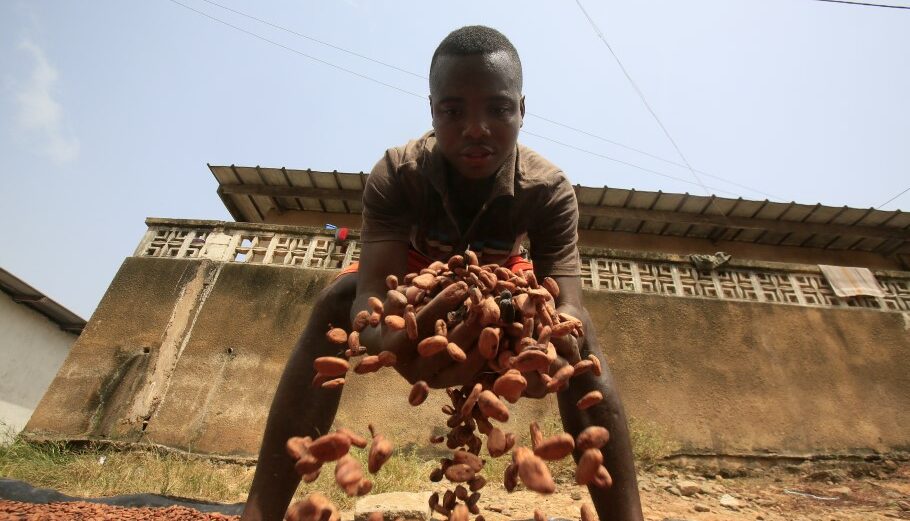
pixel 26 295
pixel 250 193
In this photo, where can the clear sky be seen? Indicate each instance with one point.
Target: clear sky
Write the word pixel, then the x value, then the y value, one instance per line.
pixel 110 110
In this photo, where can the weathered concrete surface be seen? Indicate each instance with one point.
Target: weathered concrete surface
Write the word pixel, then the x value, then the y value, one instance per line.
pixel 410 506
pixel 714 376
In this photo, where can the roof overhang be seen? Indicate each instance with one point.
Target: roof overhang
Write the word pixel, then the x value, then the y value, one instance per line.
pixel 251 193
pixel 26 295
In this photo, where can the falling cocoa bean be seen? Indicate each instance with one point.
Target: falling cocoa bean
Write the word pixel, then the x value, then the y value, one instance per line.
pixel 387 358
pixel 330 447
pixel 297 446
pixel 361 320
pixel 555 447
pixel 333 384
pixel 536 435
pixel 510 385
pixel 391 282
pixel 493 408
pixel 533 471
pixel 590 399
pixel 588 463
pixel 538 515
pixel 368 364
pixel 356 439
pixel 588 513
pixel 336 335
pixel 593 437
pixel 459 473
pixel 380 452
pixel 410 322
pixel 394 322
pixel 315 507
pixel 432 345
pixel 471 460
pixel 455 352
pixel 510 477
pixel 602 479
pixel 419 392
pixel 596 367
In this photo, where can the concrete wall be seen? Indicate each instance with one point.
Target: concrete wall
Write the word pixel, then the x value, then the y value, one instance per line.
pixel 713 376
pixel 32 349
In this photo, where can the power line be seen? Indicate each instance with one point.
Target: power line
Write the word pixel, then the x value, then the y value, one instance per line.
pixel 422 97
pixel 865 4
pixel 893 198
pixel 641 95
pixel 531 114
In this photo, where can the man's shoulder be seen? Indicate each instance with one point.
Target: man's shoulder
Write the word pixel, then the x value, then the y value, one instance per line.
pixel 413 153
pixel 535 169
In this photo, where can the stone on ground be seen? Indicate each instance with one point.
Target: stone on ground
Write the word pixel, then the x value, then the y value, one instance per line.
pixel 412 506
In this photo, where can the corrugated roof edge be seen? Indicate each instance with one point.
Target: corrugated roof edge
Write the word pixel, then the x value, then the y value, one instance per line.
pixel 22 293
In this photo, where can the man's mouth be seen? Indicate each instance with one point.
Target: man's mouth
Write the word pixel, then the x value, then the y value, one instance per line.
pixel 477 155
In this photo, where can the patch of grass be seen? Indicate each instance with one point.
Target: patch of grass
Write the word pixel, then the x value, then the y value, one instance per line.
pixel 649 443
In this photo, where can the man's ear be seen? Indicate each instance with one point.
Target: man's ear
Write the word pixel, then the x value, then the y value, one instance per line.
pixel 521 106
pixel 430 98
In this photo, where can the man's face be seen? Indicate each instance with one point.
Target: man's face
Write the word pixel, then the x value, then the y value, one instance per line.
pixel 477 110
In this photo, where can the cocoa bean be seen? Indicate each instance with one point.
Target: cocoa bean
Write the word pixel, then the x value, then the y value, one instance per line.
pixel 375 305
pixel 368 364
pixel 489 312
pixel 449 500
pixel 459 473
pixel 315 507
pixel 530 360
pixel 562 329
pixel 510 477
pixel 432 345
pixel 375 516
pixel 535 475
pixel 333 384
pixel 426 282
pixel 375 319
pixel 468 459
pixel 583 367
pixel 311 477
pixel 394 322
pixel 356 439
pixel 297 446
pixel 555 447
pixel 459 513
pixel 590 399
pixel 488 342
pixel 414 295
pixel 331 366
pixel 496 442
pixel 330 447
pixel 348 474
pixel 456 261
pixel 387 358
pixel 455 352
pixel 593 437
pixel 471 400
pixel 588 513
pixel 536 435
pixel 588 463
pixel 471 258
pixel 491 406
pixel 391 282
pixel 380 452
pixel 602 479
pixel 307 464
pixel 336 335
pixel 419 392
pixel 510 385
pixel 539 516
pixel 441 328
pixel 436 475
pixel 461 492
pixel 361 320
pixel 596 368
pixel 410 322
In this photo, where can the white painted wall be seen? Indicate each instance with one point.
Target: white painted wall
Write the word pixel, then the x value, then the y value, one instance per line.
pixel 32 349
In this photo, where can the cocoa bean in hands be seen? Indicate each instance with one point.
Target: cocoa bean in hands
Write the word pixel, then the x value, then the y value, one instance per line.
pixel 336 335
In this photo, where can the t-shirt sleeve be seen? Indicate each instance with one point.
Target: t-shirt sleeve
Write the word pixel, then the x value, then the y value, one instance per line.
pixel 554 236
pixel 385 212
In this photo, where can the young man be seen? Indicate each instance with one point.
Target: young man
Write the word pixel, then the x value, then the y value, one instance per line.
pixel 468 184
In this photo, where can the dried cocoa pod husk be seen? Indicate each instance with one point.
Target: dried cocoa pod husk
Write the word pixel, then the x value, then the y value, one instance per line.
pixel 336 335
pixel 602 479
pixel 315 507
pixel 536 435
pixel 583 367
pixel 410 323
pixel 375 319
pixel 588 513
pixel 419 392
pixel 356 439
pixel 588 463
pixel 510 477
pixel 459 473
pixel 492 408
pixel 335 383
pixel 471 258
pixel 331 366
pixel 459 513
pixel 510 385
pixel 432 345
pixel 361 320
pixel 368 364
pixel 530 360
pixel 534 474
pixel 298 446
pixel 488 343
pixel 555 447
pixel 496 442
pixel 330 447
pixel 589 400
pixel 391 282
pixel 455 352
pixel 593 437
pixel 596 368
pixel 380 452
pixel 471 460
pixel 539 516
pixel 394 322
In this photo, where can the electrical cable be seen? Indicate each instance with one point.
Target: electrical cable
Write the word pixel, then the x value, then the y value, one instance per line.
pixel 422 97
pixel 531 114
pixel 893 198
pixel 641 95
pixel 865 4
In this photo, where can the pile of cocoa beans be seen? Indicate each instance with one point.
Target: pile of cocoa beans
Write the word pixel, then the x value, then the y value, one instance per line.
pixel 518 318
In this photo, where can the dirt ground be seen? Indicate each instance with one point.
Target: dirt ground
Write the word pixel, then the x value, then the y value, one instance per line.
pixel 869 491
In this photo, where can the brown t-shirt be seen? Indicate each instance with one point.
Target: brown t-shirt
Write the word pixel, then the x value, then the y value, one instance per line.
pixel 407 198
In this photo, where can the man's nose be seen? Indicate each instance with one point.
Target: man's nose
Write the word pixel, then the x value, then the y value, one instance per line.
pixel 476 128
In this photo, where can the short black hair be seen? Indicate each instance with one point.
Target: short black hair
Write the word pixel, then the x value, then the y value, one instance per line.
pixel 471 40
